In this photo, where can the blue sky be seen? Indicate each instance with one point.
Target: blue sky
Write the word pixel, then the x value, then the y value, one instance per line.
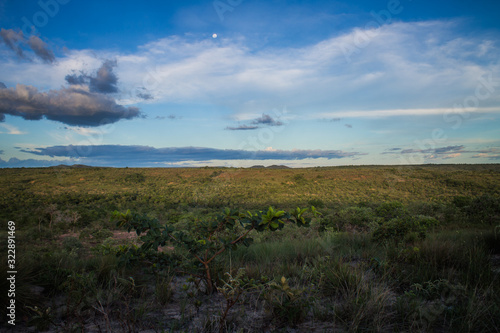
pixel 240 82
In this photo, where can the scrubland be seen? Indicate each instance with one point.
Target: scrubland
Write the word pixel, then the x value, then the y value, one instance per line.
pixel 372 248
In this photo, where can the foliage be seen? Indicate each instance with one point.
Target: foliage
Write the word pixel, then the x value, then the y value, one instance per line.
pixel 210 238
pixel 72 244
pixel 339 276
pixel 391 210
pixel 287 304
pixel 41 319
pixel 234 287
pixel 396 229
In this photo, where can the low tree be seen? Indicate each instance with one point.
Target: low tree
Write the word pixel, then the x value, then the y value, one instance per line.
pixel 212 237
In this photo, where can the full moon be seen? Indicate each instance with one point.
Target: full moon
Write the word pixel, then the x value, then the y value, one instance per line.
pixel 214 35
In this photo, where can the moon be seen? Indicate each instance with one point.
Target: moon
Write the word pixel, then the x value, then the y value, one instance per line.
pixel 214 36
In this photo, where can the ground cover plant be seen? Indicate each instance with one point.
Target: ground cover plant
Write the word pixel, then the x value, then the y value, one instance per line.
pixel 406 249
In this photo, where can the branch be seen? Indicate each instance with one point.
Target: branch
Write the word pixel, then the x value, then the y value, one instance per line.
pixel 194 254
pixel 232 243
pixel 242 236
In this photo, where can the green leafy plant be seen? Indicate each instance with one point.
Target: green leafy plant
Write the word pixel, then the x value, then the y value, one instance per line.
pixel 42 319
pixel 287 304
pixel 234 287
pixel 212 237
pixel 397 229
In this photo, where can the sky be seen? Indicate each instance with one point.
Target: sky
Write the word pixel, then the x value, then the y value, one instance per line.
pixel 237 83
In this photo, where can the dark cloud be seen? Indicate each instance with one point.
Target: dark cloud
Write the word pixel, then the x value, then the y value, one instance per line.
pixel 103 81
pixel 437 151
pixel 171 117
pixel 445 150
pixel 1 152
pixel 144 94
pixel 14 40
pixel 30 163
pixel 442 150
pixel 2 85
pixel 74 79
pixel 41 50
pixel 76 107
pixel 139 155
pixel 492 154
pixel 392 151
pixel 266 120
pixel 348 125
pixel 242 128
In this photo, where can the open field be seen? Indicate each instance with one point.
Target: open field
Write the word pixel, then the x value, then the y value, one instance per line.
pixel 397 249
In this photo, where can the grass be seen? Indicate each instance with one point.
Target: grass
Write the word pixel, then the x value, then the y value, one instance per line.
pixel 340 273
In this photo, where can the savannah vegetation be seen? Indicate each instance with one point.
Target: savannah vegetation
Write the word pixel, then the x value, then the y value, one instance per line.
pixel 361 248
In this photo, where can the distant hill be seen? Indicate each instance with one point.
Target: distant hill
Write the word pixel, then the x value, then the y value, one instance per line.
pixel 278 167
pixel 74 166
pixel 270 167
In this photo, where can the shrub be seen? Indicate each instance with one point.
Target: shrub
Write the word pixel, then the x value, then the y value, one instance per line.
pixel 71 244
pixel 397 229
pixel 212 237
pixel 286 304
pixel 356 217
pixel 390 210
pixel 394 229
pixel 135 178
pixel 318 203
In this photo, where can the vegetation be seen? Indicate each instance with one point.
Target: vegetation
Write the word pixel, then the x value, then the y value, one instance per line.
pixel 406 249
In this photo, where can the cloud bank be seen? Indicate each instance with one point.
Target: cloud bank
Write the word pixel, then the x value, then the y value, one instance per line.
pixel 123 155
pixel 72 106
pixel 448 152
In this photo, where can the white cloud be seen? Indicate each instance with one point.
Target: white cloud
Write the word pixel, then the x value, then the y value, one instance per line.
pixel 421 67
pixel 404 112
pixel 11 130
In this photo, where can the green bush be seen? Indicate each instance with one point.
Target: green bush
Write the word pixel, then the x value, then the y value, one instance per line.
pixel 318 203
pixel 397 229
pixel 356 217
pixel 135 178
pixel 390 210
pixel 71 244
pixel 286 304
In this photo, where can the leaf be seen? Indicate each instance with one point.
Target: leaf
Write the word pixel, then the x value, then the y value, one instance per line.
pixel 279 214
